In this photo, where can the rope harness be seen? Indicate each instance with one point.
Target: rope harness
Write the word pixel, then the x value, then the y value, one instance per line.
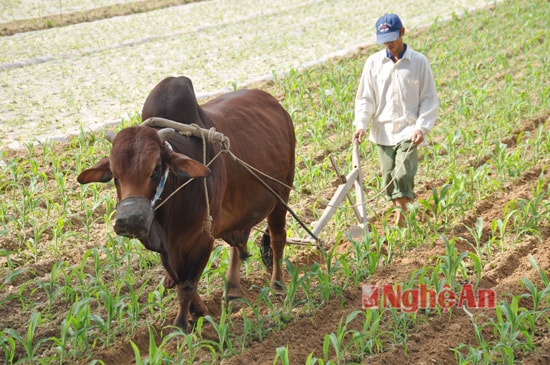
pixel 212 136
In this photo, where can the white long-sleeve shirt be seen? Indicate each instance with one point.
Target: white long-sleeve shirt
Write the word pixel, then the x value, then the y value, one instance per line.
pixel 398 97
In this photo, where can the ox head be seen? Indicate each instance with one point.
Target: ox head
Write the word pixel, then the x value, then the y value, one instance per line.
pixel 138 161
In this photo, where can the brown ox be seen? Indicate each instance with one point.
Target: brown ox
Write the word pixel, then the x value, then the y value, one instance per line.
pixel 261 134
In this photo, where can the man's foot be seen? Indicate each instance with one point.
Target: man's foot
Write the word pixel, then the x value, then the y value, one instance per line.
pixel 401 209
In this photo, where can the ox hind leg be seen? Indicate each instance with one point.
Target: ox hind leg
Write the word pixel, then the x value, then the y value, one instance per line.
pixel 277 237
pixel 239 253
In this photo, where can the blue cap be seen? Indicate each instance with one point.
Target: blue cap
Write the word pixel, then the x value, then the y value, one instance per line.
pixel 388 28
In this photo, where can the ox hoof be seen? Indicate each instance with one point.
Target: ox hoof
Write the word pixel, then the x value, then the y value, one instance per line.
pixel 169 283
pixel 234 303
pixel 183 326
pixel 278 293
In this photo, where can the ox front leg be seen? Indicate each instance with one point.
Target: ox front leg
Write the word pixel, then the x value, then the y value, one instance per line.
pixel 233 275
pixel 186 292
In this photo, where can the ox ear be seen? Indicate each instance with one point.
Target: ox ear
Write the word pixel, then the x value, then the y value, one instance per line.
pixel 185 167
pixel 100 172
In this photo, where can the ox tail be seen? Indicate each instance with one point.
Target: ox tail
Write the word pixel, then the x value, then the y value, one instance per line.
pixel 266 251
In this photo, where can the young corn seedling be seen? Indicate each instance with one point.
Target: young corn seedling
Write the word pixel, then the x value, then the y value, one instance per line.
pixel 337 341
pixel 156 354
pixel 306 284
pixel 538 296
pixel 452 263
pixel 414 227
pixel 473 356
pixel 216 266
pixel 324 284
pixel 8 346
pixel 292 287
pixel 477 234
pixel 188 345
pixel 133 305
pixel 77 325
pixel 224 346
pixel 536 210
pixel 261 329
pixel 369 340
pixel 442 205
pixel 509 328
pixel 28 342
pixel 112 305
pixel 158 301
pixel 365 260
pixel 402 321
pixel 51 287
pixel 281 356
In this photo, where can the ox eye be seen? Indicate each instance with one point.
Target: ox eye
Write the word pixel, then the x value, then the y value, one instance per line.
pixel 156 173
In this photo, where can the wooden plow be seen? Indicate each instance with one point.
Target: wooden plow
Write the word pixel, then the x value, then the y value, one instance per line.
pixel 352 180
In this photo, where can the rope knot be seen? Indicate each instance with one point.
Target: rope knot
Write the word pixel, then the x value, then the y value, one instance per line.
pixel 208 224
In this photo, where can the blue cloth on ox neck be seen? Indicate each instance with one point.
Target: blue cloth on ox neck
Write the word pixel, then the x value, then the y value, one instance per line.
pixel 160 186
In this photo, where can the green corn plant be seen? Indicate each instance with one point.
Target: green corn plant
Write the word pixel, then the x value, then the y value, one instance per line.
pixel 222 328
pixel 499 227
pixel 414 227
pixel 51 287
pixel 28 342
pixel 215 267
pixel 205 344
pixel 258 330
pixel 538 296
pixel 156 354
pixel 452 263
pixel 294 284
pixel 364 261
pixel 78 324
pixel 477 266
pixel 401 323
pixel 11 276
pixel 306 284
pixel 485 348
pixel 536 210
pixel 132 306
pixel 337 340
pixel 281 356
pixel 441 206
pixel 477 234
pixel 324 285
pixel 111 304
pixel 474 356
pixel 480 249
pixel 509 328
pixel 188 348
pixel 369 340
pixel 157 301
pixel 8 346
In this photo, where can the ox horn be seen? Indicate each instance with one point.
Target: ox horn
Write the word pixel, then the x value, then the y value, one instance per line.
pixel 166 133
pixel 110 136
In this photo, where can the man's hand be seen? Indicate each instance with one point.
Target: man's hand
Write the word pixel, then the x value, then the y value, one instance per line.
pixel 417 137
pixel 359 135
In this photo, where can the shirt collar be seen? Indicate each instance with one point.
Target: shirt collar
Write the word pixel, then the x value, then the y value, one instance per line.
pixel 388 54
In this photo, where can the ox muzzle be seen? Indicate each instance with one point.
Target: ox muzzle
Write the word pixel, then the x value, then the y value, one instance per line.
pixel 133 218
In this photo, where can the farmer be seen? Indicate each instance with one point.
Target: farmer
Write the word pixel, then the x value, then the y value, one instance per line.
pixel 397 93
